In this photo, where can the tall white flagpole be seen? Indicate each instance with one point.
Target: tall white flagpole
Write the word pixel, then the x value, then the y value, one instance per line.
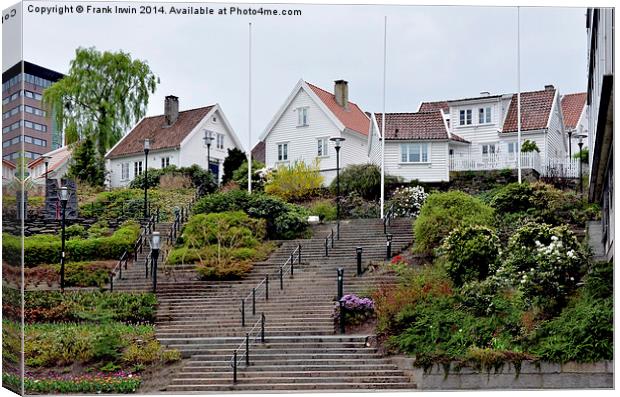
pixel 519 93
pixel 250 108
pixel 383 120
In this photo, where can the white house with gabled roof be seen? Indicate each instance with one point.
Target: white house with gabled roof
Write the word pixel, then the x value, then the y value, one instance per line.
pixel 176 138
pixel 302 127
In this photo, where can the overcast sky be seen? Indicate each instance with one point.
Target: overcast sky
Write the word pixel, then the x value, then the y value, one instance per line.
pixel 434 53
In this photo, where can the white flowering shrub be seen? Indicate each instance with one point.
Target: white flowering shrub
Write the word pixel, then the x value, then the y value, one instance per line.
pixel 407 201
pixel 545 263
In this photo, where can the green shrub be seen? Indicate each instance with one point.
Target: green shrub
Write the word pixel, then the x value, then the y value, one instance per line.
pixel 283 220
pixel 99 229
pixel 362 179
pixel 544 263
pixel 75 231
pixel 514 197
pixel 325 209
pixel 202 180
pixel 240 176
pixel 583 332
pixel 529 146
pixel 45 248
pixel 472 252
pixel 443 212
pixel 295 183
pixel 72 306
pixel 228 229
pixel 233 161
pixel 355 207
pixel 67 344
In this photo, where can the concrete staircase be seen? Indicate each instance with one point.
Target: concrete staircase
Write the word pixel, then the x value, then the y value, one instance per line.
pixel 202 319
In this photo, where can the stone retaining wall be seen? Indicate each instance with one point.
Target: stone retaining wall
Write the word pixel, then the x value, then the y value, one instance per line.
pixel 542 375
pixel 49 226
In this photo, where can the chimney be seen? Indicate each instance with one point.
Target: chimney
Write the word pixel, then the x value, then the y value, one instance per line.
pixel 549 87
pixel 341 92
pixel 171 109
pixel 485 93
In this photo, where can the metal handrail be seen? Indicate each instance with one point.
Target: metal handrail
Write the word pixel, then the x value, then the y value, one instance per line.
pixel 257 292
pixel 387 218
pixel 329 237
pixel 244 346
pixel 124 258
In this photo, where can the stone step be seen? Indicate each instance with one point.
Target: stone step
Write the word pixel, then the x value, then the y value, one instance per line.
pixel 199 389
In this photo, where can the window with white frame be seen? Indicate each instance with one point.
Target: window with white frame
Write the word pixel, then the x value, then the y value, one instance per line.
pixel 484 115
pixel 465 117
pixel 302 117
pixel 488 149
pixel 165 162
pixel 282 151
pixel 512 148
pixel 124 171
pixel 322 147
pixel 137 168
pixel 414 153
pixel 219 141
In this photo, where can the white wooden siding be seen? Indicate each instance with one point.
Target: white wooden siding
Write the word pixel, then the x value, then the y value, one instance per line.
pixel 556 140
pixel 477 133
pixel 194 150
pixel 114 166
pixel 434 171
pixel 302 141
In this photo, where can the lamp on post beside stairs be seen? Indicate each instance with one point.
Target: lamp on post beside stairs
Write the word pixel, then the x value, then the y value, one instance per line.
pixel 155 246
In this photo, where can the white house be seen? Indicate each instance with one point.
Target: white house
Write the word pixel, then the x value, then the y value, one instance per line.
pixel 574 110
pixel 310 116
pixel 489 123
pixel 176 138
pixel 600 114
pixel 57 165
pixel 417 145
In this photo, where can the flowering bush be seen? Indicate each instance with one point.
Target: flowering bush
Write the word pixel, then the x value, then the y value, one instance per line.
pixel 472 252
pixel 407 201
pixel 357 309
pixel 544 263
pixel 118 382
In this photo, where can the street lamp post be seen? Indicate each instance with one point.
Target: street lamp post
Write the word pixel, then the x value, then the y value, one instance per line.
pixel 47 160
pixel 147 147
pixel 64 197
pixel 580 144
pixel 337 141
pixel 570 152
pixel 155 246
pixel 208 138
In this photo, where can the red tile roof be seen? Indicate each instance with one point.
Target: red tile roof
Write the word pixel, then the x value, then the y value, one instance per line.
pixel 353 118
pixel 454 137
pixel 535 109
pixel 572 107
pixel 161 135
pixel 434 106
pixel 414 126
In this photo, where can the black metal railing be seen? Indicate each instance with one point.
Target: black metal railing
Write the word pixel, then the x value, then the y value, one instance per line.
pixel 257 332
pixel 138 246
pixel 387 218
pixel 329 242
pixel 262 288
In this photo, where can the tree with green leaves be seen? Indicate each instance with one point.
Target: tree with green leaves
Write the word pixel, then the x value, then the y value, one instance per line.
pixel 86 165
pixel 232 162
pixel 103 95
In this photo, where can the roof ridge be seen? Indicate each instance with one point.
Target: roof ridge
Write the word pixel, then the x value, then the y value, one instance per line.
pixel 182 111
pixel 330 93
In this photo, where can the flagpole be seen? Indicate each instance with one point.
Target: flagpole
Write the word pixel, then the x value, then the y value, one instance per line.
pixel 383 119
pixel 519 93
pixel 250 108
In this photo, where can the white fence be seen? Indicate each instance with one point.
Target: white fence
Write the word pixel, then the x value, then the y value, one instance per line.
pixel 566 168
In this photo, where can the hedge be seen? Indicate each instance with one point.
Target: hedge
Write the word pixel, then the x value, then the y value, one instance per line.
pixel 45 248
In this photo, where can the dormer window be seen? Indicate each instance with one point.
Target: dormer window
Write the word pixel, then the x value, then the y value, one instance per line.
pixel 465 117
pixel 484 115
pixel 302 117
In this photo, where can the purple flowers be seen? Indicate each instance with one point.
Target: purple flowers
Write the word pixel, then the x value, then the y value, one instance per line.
pixel 355 303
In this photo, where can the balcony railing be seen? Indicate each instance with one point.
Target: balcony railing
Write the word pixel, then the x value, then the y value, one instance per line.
pixel 568 168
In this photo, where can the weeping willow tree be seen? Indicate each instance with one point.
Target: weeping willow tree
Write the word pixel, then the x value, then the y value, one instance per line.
pixel 101 97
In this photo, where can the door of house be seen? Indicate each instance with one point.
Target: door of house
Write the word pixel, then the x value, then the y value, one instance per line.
pixel 214 167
